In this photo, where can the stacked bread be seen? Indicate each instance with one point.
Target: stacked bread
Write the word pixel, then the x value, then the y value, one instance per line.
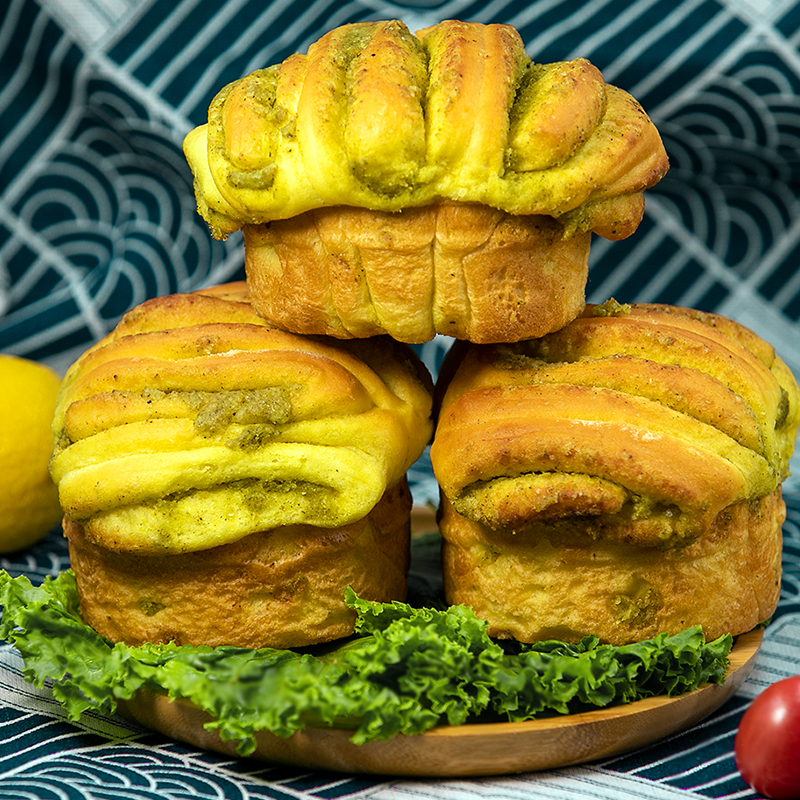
pixel 245 449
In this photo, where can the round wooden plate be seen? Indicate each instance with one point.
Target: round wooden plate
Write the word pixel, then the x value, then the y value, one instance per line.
pixel 469 750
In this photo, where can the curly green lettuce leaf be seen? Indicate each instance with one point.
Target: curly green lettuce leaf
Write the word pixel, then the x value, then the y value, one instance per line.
pixel 44 624
pixel 552 676
pixel 405 670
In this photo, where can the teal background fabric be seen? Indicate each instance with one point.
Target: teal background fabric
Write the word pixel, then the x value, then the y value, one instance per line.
pixel 97 214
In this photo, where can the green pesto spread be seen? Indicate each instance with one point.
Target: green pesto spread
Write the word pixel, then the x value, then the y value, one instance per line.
pixel 217 410
pixel 611 308
pixel 637 606
pixel 151 607
pixel 513 359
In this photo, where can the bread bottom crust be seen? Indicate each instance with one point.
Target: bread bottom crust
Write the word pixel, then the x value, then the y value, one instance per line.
pixel 462 270
pixel 279 588
pixel 534 585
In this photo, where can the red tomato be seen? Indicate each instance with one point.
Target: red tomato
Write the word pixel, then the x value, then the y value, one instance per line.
pixel 767 745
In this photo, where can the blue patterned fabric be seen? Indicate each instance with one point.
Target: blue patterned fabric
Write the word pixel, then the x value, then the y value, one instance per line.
pixel 97 214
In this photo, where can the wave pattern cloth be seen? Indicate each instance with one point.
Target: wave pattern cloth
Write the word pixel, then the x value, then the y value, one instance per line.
pixel 97 214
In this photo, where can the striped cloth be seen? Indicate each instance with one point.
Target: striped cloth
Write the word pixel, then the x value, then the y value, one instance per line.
pixel 97 214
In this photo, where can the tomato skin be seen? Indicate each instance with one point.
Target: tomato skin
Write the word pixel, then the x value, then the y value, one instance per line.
pixel 767 744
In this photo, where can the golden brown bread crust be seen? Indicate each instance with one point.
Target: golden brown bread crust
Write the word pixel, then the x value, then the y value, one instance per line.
pixel 632 431
pixel 378 118
pixel 467 271
pixel 193 424
pixel 277 588
pixel 539 584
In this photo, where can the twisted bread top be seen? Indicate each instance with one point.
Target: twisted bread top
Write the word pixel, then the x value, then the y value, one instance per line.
pixel 376 117
pixel 194 424
pixel 645 423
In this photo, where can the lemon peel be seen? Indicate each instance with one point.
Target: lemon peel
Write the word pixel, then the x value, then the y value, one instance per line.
pixel 29 505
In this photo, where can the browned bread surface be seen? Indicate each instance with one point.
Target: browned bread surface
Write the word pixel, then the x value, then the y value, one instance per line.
pixel 280 588
pixel 544 583
pixel 467 271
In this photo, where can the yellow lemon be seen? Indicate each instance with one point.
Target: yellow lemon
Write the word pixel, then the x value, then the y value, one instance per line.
pixel 28 498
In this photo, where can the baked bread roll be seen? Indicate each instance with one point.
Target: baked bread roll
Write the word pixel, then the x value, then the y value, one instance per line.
pixel 342 166
pixel 193 426
pixel 619 477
